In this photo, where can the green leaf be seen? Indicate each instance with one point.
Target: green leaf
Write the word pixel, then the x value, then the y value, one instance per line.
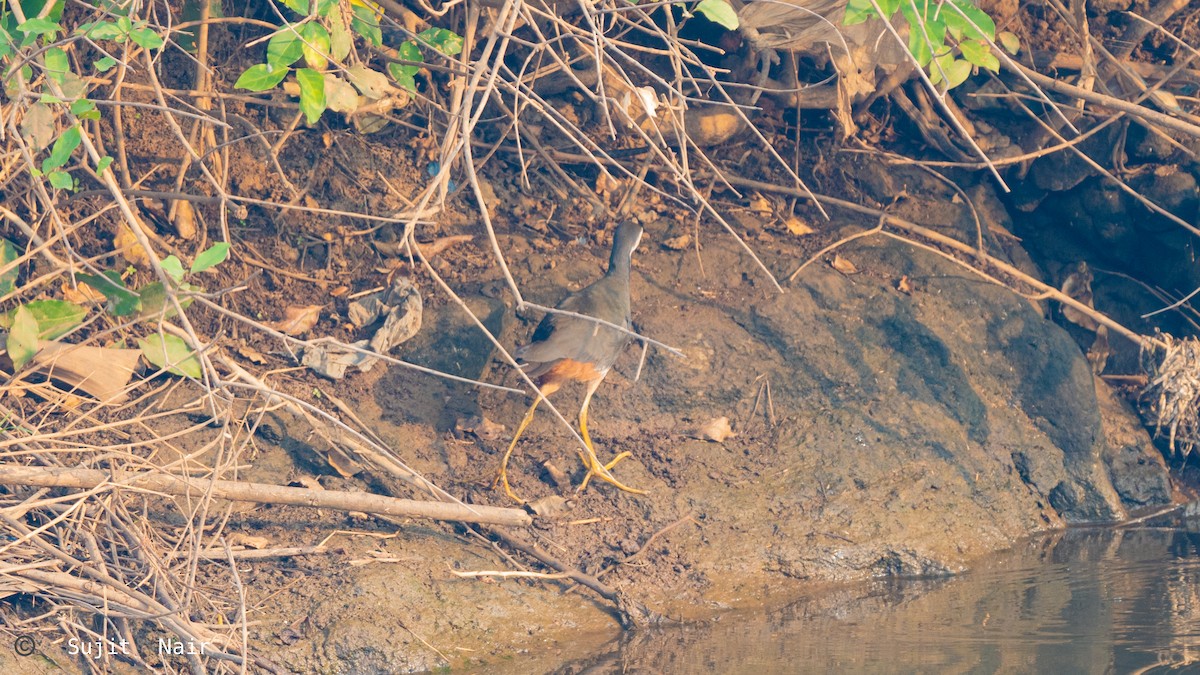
pixel 57 64
pixel 8 256
pixel 22 337
pixel 926 36
pixel 261 77
pixel 103 164
pixel 104 64
pixel 100 30
pixel 215 255
pixel 55 318
pixel 1010 42
pixel 82 106
pixel 63 147
pixel 858 11
pixel 153 299
pixel 340 40
pixel 297 6
pixel 957 70
pixel 451 44
pixel 315 45
pixel 403 75
pixel 171 353
pixel 409 51
pixel 719 12
pixel 312 93
pixel 38 26
pixel 284 47
pixel 85 109
pixel 980 54
pixel 970 22
pixel 121 300
pixel 173 267
pixel 60 179
pixel 366 24
pixel 146 38
pixel 323 7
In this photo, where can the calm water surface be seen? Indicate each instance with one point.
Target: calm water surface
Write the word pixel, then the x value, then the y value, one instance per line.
pixel 1086 601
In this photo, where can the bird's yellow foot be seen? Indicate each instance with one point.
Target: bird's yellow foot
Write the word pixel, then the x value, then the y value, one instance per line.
pixel 602 471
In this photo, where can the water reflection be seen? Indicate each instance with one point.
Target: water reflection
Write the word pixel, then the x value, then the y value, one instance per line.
pixel 1086 601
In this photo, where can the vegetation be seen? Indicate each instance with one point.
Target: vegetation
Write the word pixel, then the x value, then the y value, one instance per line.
pixel 159 159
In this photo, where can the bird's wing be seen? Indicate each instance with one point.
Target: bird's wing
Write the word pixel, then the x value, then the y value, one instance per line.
pixel 566 337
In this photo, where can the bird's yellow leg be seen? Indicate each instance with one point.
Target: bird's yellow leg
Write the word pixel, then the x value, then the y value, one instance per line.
pixel 594 467
pixel 503 477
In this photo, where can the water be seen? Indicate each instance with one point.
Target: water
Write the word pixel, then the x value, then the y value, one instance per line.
pixel 1085 601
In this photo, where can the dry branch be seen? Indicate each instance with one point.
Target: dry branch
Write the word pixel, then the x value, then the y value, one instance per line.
pixel 262 493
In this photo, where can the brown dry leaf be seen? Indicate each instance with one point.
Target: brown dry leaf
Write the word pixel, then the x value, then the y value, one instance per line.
pixel 185 219
pixel 1099 352
pixel 297 320
pixel 844 266
pixel 904 285
pixel 678 243
pixel 82 294
pixel 716 430
pixel 712 127
pixel 1078 285
pixel 760 204
pixel 339 291
pixel 442 243
pixel 481 427
pixel 605 183
pixel 557 475
pixel 249 541
pixel 252 355
pixel 798 227
pixel 550 505
pixel 103 373
pixel 310 482
pixel 342 463
pixel 130 249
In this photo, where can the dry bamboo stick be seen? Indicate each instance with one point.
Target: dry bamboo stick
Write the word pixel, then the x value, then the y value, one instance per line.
pixel 263 493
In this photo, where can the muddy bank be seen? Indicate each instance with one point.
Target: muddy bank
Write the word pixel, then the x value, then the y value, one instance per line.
pixel 909 429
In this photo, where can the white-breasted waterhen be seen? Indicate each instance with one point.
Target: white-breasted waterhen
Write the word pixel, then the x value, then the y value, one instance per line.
pixel 565 348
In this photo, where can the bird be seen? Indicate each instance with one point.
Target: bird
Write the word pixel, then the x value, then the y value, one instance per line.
pixel 568 348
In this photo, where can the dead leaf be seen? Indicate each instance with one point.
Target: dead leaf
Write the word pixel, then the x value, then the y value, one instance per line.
pixel 678 243
pixel 102 373
pixel 252 355
pixel 716 430
pixel 760 205
pixel 711 127
pixel 185 219
pixel 81 294
pixel 342 463
pixel 310 482
pixel 480 427
pixel 442 243
pixel 297 320
pixel 797 226
pixel 339 291
pixel 557 475
pixel 844 266
pixel 1099 352
pixel 904 285
pixel 1078 286
pixel 249 541
pixel 130 249
pixel 550 505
